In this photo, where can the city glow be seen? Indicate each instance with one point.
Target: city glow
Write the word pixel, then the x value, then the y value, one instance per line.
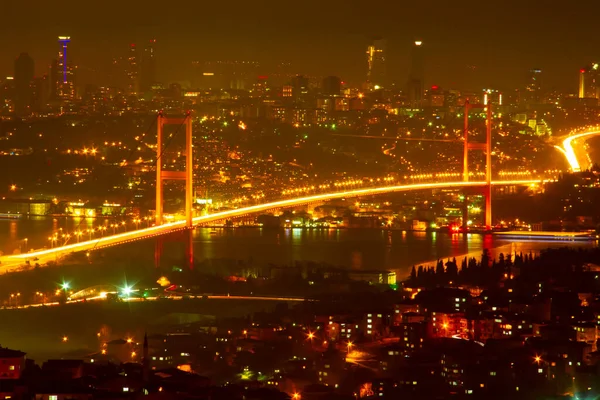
pixel 126 237
pixel 569 152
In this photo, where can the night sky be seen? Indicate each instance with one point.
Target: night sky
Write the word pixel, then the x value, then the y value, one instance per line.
pixel 469 44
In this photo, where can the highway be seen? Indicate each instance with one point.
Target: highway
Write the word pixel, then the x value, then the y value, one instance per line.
pixel 569 152
pixel 15 262
pixel 134 299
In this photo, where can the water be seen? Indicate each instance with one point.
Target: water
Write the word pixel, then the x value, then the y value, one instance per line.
pixel 360 249
pixel 365 249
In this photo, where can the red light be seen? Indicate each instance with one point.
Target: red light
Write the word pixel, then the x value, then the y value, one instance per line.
pixel 263 77
pixel 435 87
pixel 582 70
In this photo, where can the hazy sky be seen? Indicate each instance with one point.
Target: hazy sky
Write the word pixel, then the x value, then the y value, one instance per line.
pixel 468 44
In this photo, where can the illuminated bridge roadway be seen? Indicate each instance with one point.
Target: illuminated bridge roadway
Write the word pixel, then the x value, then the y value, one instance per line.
pixel 43 256
pixel 568 150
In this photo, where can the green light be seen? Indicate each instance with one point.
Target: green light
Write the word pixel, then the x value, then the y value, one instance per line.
pixel 65 285
pixel 333 126
pixel 225 123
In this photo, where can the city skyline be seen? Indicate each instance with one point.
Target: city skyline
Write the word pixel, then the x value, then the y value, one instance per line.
pixel 463 51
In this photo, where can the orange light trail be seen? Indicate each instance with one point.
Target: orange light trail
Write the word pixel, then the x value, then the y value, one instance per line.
pixel 125 237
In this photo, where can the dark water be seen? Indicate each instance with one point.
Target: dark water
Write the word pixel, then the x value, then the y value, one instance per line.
pixel 350 248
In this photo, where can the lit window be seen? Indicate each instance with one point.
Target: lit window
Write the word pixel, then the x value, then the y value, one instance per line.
pixel 126 389
pixel 53 397
pixel 12 368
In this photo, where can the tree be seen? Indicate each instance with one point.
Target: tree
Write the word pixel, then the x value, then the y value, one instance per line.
pixel 413 275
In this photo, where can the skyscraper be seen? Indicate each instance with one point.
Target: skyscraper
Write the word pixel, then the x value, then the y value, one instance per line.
pixel 416 78
pixel 64 72
pixel 533 88
pixel 589 82
pixel 331 86
pixel 148 67
pixel 133 83
pixel 24 71
pixel 376 68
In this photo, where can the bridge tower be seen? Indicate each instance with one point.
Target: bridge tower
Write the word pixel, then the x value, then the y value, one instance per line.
pixel 487 148
pixel 186 175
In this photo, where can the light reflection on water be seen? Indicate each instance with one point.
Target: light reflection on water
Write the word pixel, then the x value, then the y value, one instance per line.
pixel 351 248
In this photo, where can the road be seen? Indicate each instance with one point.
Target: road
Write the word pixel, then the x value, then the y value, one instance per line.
pixel 15 262
pixel 568 150
pixel 134 299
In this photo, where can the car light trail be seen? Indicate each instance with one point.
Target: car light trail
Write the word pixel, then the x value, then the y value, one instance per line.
pixel 126 237
pixel 569 152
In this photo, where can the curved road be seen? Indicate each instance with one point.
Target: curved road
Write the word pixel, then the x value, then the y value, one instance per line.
pixel 569 152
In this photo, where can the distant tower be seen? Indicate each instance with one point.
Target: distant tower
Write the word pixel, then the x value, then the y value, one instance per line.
pixel 299 87
pixel 416 77
pixel 146 361
pixel 331 86
pixel 533 89
pixel 133 83
pixel 582 83
pixel 589 81
pixel 24 71
pixel 63 73
pixel 376 68
pixel 148 67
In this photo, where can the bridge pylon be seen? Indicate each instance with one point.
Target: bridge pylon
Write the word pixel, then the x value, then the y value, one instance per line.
pixel 487 148
pixel 186 175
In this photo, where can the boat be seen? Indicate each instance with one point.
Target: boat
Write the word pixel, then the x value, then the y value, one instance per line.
pixel 10 216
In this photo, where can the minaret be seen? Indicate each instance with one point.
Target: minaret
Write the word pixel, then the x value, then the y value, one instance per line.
pixel 146 360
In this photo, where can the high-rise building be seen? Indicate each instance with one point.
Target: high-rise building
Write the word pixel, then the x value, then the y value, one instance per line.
pixel 148 67
pixel 533 88
pixel 376 65
pixel 331 86
pixel 416 78
pixel 589 82
pixel 24 71
pixel 299 87
pixel 133 83
pixel 63 72
pixel 40 93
